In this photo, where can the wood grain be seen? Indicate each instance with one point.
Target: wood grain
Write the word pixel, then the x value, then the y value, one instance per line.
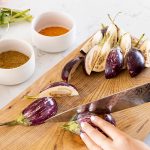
pixel 50 136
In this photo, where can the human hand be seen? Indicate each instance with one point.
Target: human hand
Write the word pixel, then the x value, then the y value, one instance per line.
pixel 116 140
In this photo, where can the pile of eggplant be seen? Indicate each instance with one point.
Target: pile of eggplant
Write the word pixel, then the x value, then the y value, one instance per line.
pixel 111 50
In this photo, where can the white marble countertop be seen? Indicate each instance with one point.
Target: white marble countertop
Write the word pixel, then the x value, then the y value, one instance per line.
pixel 88 15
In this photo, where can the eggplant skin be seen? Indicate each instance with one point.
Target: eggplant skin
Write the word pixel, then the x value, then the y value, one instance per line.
pixel 114 63
pixel 40 110
pixel 135 62
pixel 61 83
pixel 110 119
pixel 74 124
pixel 86 117
pixel 71 65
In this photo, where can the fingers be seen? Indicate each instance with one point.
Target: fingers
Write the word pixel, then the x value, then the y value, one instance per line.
pixel 106 127
pixel 96 136
pixel 89 143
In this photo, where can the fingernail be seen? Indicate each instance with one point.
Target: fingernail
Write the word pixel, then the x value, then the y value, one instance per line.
pixel 93 118
pixel 82 124
pixel 82 135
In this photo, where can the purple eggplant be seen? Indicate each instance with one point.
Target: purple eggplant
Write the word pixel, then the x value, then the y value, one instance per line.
pixel 135 62
pixel 56 89
pixel 110 119
pixel 74 124
pixel 70 68
pixel 114 63
pixel 36 113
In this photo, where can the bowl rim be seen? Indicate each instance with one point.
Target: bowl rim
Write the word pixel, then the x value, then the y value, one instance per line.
pixel 34 23
pixel 25 43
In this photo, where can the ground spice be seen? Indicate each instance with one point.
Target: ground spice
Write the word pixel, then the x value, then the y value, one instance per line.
pixel 12 59
pixel 53 31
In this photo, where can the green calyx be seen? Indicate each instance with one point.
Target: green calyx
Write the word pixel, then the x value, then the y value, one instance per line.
pixel 138 42
pixel 21 120
pixel 72 126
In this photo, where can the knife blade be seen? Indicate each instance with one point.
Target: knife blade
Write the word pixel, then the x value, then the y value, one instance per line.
pixel 113 103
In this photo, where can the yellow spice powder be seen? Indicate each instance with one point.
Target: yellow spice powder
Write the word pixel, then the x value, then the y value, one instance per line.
pixel 12 59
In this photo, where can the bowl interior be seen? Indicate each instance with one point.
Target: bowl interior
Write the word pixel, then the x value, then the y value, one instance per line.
pixel 15 45
pixel 49 19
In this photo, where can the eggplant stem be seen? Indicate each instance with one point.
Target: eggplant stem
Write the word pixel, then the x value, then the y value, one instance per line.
pixel 113 20
pixel 72 126
pixel 116 16
pixel 21 120
pixel 30 97
pixel 103 26
pixel 10 123
pixel 119 40
pixel 138 42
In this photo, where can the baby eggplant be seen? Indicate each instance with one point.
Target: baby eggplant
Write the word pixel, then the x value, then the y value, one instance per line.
pixel 57 89
pixel 97 37
pixel 125 43
pixel 91 58
pixel 99 65
pixel 74 124
pixel 135 62
pixel 70 68
pixel 145 49
pixel 36 113
pixel 112 32
pixel 114 63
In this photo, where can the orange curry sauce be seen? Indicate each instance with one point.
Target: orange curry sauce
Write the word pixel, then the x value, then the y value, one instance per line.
pixel 53 31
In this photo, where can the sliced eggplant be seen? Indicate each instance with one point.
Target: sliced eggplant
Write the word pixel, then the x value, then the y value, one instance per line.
pixel 114 63
pixel 145 49
pixel 86 47
pixel 110 41
pixel 91 58
pixel 112 32
pixel 99 65
pixel 56 89
pixel 70 68
pixel 135 40
pixel 97 37
pixel 135 62
pixel 59 89
pixel 125 43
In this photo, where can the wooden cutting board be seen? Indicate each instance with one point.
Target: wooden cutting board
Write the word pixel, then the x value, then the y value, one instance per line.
pixel 50 136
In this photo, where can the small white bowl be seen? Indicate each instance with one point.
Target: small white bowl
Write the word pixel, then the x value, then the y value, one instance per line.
pixel 53 43
pixel 22 73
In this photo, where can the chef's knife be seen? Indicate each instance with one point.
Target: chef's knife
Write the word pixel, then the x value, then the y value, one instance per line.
pixel 123 100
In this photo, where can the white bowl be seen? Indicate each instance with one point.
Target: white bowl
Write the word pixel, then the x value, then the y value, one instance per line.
pixel 53 43
pixel 22 73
